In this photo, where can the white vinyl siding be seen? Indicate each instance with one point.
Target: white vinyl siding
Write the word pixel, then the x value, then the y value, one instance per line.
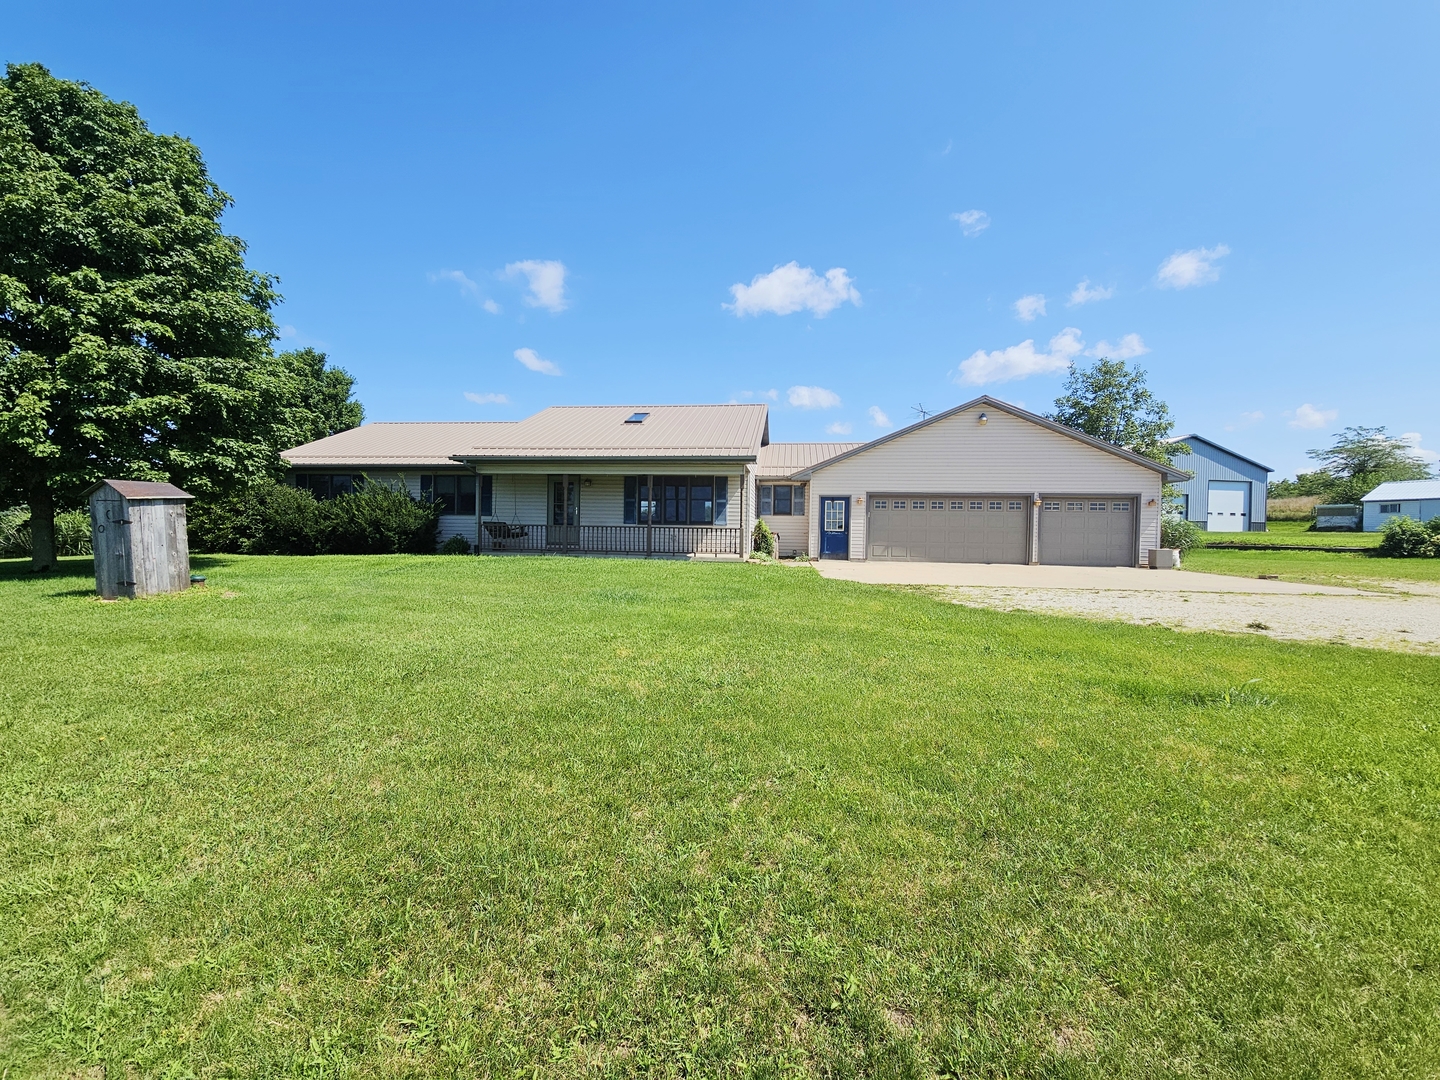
pixel 1006 455
pixel 792 533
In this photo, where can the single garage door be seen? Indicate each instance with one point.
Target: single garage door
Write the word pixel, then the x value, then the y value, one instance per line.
pixel 1092 530
pixel 949 528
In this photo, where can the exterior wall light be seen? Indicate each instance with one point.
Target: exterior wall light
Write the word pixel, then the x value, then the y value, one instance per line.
pixel 983 419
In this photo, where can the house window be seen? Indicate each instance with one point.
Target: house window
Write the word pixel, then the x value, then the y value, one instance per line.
pixel 767 499
pixel 455 492
pixel 677 500
pixel 782 499
pixel 1389 508
pixel 328 485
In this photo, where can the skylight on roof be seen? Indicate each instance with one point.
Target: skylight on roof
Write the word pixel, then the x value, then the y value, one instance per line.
pixel 637 418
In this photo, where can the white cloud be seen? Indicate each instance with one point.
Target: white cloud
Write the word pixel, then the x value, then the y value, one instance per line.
pixel 813 397
pixel 1308 416
pixel 773 395
pixel 468 287
pixel 878 417
pixel 972 222
pixel 1193 267
pixel 1086 293
pixel 1412 438
pixel 1021 361
pixel 1029 306
pixel 1127 348
pixel 546 280
pixel 532 360
pixel 791 288
pixel 1252 417
pixel 487 399
pixel 459 277
pixel 840 427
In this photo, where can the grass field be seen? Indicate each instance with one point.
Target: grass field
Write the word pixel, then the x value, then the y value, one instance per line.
pixel 1298 532
pixel 561 817
pixel 1316 567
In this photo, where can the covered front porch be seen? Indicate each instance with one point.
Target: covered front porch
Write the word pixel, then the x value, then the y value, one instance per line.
pixel 612 513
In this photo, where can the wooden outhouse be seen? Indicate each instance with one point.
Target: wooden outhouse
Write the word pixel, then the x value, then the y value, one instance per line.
pixel 137 529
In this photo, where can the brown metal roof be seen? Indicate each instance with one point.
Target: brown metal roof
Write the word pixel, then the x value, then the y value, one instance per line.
pixel 141 489
pixel 600 431
pixel 783 459
pixel 393 445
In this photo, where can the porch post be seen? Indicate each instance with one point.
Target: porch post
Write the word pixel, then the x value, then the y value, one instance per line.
pixel 650 518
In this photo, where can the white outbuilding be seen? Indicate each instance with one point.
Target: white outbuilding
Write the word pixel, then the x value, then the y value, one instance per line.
pixel 1418 499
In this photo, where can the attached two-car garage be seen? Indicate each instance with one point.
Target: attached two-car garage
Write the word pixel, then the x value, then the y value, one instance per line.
pixel 988 482
pixel 918 527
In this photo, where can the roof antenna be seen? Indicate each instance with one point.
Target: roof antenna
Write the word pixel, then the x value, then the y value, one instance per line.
pixel 920 411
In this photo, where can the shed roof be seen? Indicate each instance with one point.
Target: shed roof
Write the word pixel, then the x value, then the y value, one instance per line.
pixel 1224 449
pixel 1169 474
pixel 600 432
pixel 784 459
pixel 394 445
pixel 1400 490
pixel 137 490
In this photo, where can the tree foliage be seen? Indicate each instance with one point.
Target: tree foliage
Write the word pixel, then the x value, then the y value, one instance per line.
pixel 1111 402
pixel 134 341
pixel 1358 461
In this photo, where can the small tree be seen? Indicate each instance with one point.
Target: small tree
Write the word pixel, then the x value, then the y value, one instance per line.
pixel 1111 402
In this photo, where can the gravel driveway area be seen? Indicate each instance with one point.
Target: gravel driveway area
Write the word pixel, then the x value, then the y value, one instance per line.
pixel 1402 615
pixel 1406 619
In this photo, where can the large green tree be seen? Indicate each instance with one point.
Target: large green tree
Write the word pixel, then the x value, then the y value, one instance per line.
pixel 1360 459
pixel 1111 402
pixel 134 341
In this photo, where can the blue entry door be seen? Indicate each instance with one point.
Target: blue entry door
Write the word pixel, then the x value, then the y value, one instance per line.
pixel 835 527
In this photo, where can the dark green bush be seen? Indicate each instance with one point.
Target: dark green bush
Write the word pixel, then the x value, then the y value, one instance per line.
pixel 276 519
pixel 1406 538
pixel 762 540
pixel 456 545
pixel 379 520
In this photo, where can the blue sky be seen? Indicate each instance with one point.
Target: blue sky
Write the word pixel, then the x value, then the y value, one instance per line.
pixel 1249 192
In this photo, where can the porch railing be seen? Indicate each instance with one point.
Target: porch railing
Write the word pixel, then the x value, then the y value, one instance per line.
pixel 611 539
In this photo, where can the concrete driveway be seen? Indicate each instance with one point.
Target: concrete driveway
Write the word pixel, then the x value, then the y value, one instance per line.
pixel 1000 575
pixel 1407 619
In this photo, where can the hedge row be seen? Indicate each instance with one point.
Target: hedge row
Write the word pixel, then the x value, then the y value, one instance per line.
pixel 275 519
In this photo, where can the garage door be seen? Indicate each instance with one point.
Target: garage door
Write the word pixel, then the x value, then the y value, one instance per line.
pixel 949 528
pixel 1092 530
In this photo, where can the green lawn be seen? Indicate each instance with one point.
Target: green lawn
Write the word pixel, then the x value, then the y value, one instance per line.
pixel 1297 532
pixel 563 817
pixel 1316 567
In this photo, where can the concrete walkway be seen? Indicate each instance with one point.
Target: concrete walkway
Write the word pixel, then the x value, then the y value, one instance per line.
pixel 999 575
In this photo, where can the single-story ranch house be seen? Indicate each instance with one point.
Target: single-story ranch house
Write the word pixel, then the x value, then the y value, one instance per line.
pixel 1418 499
pixel 983 482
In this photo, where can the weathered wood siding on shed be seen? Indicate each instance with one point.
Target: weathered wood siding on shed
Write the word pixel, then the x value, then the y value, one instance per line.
pixel 141 546
pixel 110 538
pixel 1007 455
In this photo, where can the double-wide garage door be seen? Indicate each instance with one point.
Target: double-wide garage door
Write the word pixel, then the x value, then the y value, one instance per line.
pixel 1083 531
pixel 950 528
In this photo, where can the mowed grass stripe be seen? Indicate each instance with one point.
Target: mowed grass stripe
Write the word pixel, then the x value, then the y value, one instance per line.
pixel 489 816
